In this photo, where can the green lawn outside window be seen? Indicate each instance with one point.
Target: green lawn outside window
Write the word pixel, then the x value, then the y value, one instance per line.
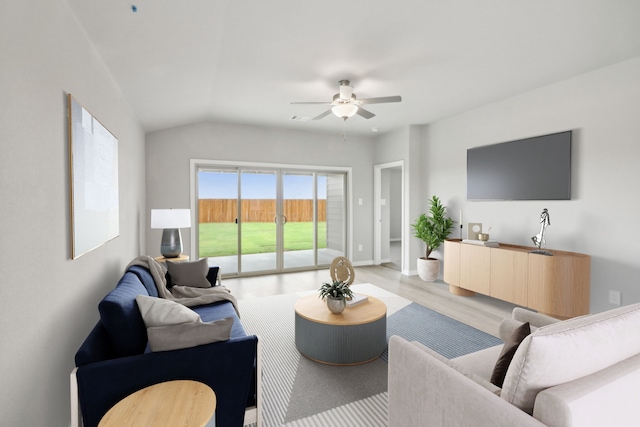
pixel 220 238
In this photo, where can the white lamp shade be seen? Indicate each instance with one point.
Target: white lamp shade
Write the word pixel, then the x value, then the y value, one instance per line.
pixel 170 218
pixel 344 111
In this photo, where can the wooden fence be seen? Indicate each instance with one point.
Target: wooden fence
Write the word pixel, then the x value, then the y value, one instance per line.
pixel 262 210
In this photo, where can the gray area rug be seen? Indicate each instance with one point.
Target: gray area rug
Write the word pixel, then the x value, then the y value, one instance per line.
pixel 298 392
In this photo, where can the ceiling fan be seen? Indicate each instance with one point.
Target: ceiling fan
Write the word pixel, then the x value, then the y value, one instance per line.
pixel 345 104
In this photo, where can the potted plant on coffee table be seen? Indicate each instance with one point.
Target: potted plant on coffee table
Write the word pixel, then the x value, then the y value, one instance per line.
pixel 335 293
pixel 433 230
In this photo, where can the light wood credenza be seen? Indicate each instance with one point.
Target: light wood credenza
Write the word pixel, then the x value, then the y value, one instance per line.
pixel 557 285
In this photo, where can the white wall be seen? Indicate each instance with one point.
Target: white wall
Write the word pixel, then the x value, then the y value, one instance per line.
pixel 603 110
pixel 169 152
pixel 48 302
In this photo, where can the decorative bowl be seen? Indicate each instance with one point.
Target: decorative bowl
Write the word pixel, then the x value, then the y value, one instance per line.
pixel 483 237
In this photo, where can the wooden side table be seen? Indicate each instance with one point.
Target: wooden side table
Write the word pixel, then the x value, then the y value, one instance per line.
pixel 173 403
pixel 179 258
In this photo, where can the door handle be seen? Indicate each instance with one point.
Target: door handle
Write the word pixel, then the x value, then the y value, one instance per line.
pixel 284 219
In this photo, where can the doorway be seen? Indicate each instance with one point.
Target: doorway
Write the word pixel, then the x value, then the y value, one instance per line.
pixel 256 219
pixel 389 230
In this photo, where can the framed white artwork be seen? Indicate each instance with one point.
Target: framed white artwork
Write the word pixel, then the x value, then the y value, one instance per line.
pixel 94 195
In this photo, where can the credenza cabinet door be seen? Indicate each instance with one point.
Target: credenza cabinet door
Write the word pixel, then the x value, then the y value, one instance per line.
pixel 451 273
pixel 509 274
pixel 560 285
pixel 475 268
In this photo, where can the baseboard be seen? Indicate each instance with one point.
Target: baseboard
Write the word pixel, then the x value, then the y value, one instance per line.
pixel 362 263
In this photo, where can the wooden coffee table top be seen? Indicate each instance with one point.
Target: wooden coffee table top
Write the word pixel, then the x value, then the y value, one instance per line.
pixel 314 309
pixel 172 403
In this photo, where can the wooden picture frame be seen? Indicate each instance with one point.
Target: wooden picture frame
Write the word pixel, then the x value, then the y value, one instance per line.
pixel 94 193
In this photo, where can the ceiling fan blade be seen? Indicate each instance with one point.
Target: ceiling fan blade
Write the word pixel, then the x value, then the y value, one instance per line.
pixel 364 113
pixel 325 114
pixel 380 100
pixel 319 102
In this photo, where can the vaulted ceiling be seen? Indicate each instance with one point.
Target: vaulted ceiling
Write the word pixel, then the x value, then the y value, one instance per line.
pixel 244 61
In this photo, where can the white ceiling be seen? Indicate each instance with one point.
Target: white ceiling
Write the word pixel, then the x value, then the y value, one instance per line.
pixel 244 61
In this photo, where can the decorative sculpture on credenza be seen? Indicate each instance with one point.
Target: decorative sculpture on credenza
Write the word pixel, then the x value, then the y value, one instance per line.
pixel 539 239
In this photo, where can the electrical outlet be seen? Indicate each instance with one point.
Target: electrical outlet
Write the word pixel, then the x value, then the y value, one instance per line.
pixel 360 248
pixel 614 297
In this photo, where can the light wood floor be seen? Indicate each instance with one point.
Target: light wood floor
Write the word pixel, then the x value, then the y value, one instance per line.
pixel 479 311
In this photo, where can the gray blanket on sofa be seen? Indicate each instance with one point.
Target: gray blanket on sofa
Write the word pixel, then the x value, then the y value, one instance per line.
pixel 185 295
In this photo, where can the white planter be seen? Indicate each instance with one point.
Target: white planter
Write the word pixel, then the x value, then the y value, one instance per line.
pixel 428 269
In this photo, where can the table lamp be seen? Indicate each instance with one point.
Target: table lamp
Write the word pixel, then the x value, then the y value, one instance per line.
pixel 171 221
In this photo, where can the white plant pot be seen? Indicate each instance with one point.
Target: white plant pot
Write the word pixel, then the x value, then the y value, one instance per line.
pixel 428 269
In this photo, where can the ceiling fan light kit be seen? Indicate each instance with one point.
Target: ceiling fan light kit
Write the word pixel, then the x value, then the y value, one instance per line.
pixel 344 111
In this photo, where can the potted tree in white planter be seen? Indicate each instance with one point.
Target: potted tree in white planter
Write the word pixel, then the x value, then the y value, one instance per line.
pixel 433 230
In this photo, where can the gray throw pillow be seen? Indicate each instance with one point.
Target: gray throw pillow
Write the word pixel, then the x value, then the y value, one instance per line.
pixel 162 312
pixel 189 273
pixel 164 338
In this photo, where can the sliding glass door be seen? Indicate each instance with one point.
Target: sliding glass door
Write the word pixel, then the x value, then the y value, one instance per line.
pixel 254 220
pixel 218 209
pixel 299 220
pixel 332 188
pixel 258 221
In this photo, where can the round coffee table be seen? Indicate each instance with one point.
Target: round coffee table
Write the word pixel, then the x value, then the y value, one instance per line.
pixel 171 403
pixel 358 335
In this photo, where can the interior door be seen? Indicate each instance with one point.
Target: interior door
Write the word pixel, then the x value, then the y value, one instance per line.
pixel 389 238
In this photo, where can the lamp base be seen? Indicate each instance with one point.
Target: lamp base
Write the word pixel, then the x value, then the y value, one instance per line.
pixel 171 244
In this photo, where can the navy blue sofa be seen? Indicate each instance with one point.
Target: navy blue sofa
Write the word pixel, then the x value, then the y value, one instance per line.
pixel 115 361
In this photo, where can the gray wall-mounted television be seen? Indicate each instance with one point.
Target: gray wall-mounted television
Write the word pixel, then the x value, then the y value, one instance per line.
pixel 537 168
